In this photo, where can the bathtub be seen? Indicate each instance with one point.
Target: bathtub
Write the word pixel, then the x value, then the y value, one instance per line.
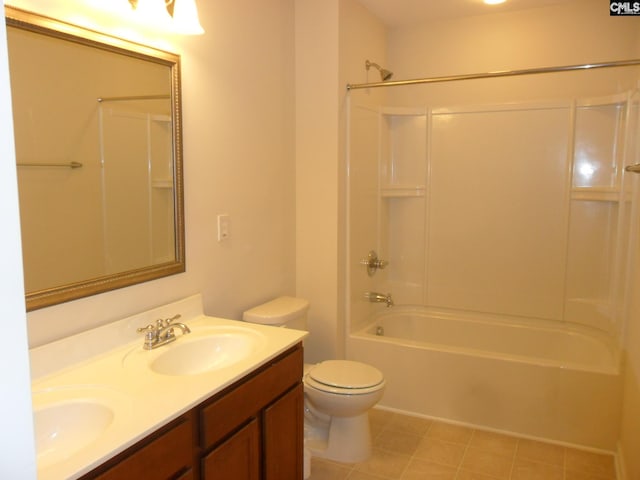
pixel 557 383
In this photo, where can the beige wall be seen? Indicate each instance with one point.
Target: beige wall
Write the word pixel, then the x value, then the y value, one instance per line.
pixel 553 35
pixel 333 40
pixel 541 37
pixel 316 253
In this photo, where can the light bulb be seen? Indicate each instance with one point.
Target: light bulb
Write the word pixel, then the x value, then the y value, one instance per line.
pixel 185 18
pixel 153 13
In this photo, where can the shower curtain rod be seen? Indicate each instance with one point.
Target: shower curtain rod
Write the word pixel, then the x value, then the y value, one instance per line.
pixel 502 73
pixel 133 97
pixel 65 165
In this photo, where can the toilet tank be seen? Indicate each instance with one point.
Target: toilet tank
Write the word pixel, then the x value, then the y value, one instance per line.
pixel 288 312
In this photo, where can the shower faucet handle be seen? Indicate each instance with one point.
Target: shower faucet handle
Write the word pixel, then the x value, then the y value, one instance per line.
pixel 373 263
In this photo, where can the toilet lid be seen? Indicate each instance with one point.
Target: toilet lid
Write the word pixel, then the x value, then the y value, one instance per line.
pixel 346 374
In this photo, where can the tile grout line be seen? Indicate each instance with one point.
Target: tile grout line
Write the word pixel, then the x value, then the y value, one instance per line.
pixel 413 455
pixel 464 454
pixel 514 456
pixel 458 470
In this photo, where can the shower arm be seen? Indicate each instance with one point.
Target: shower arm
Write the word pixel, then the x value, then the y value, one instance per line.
pixel 385 75
pixel 369 64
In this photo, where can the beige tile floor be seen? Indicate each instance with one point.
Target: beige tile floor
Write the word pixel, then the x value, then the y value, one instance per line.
pixel 410 448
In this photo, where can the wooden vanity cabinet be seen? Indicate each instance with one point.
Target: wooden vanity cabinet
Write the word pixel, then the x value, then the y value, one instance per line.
pixel 283 436
pixel 167 453
pixel 255 429
pixel 252 430
pixel 238 457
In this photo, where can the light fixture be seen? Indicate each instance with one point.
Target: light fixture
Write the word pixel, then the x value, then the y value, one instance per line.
pixel 179 16
pixel 152 11
pixel 494 2
pixel 185 17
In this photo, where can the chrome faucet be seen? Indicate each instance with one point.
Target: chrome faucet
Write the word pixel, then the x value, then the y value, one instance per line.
pixel 379 298
pixel 162 332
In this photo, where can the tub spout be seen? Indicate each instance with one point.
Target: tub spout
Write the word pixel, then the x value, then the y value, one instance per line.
pixel 379 298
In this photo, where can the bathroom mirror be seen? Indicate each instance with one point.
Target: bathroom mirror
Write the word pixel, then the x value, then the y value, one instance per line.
pixel 97 126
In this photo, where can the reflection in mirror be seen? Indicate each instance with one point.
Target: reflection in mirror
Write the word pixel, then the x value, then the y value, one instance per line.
pixel 99 155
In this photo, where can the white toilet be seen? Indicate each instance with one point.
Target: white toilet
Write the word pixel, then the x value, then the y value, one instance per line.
pixel 338 393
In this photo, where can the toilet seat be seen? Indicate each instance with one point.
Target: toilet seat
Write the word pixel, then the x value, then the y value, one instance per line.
pixel 344 377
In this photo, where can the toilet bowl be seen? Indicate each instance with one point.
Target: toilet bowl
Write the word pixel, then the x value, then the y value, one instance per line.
pixel 337 393
pixel 338 396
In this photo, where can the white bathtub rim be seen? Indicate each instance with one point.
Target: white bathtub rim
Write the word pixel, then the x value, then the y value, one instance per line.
pixel 495 319
pixel 613 368
pixel 519 435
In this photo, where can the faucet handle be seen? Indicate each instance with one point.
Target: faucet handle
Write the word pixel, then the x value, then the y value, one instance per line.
pixel 148 329
pixel 150 334
pixel 373 263
pixel 163 323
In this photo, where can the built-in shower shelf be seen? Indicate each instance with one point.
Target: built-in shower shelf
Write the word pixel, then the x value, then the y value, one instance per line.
pixel 397 191
pixel 162 183
pixel 596 194
pixel 161 118
pixel 403 111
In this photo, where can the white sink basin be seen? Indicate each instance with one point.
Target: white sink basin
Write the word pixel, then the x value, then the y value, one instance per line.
pixel 201 351
pixel 69 419
pixel 65 428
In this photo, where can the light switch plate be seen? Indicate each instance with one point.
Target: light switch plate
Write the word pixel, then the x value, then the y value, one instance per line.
pixel 224 227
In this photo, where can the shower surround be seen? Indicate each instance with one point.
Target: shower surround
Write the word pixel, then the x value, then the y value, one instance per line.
pixel 506 225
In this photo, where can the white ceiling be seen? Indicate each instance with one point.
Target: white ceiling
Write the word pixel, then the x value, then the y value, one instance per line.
pixel 396 13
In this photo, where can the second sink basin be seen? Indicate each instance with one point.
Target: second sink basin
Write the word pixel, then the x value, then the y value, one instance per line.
pixel 65 428
pixel 70 419
pixel 203 350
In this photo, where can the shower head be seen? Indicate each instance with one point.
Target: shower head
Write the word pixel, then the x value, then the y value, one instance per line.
pixel 384 73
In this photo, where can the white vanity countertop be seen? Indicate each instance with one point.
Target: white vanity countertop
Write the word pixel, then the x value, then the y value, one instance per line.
pixel 108 366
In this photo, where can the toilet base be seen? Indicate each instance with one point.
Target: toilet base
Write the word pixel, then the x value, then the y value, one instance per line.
pixel 342 439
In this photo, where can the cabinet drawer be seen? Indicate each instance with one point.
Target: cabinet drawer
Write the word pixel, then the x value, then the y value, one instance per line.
pixel 233 407
pixel 162 457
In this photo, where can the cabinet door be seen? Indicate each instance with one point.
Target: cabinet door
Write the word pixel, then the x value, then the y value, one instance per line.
pixel 160 458
pixel 188 475
pixel 238 458
pixel 284 437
